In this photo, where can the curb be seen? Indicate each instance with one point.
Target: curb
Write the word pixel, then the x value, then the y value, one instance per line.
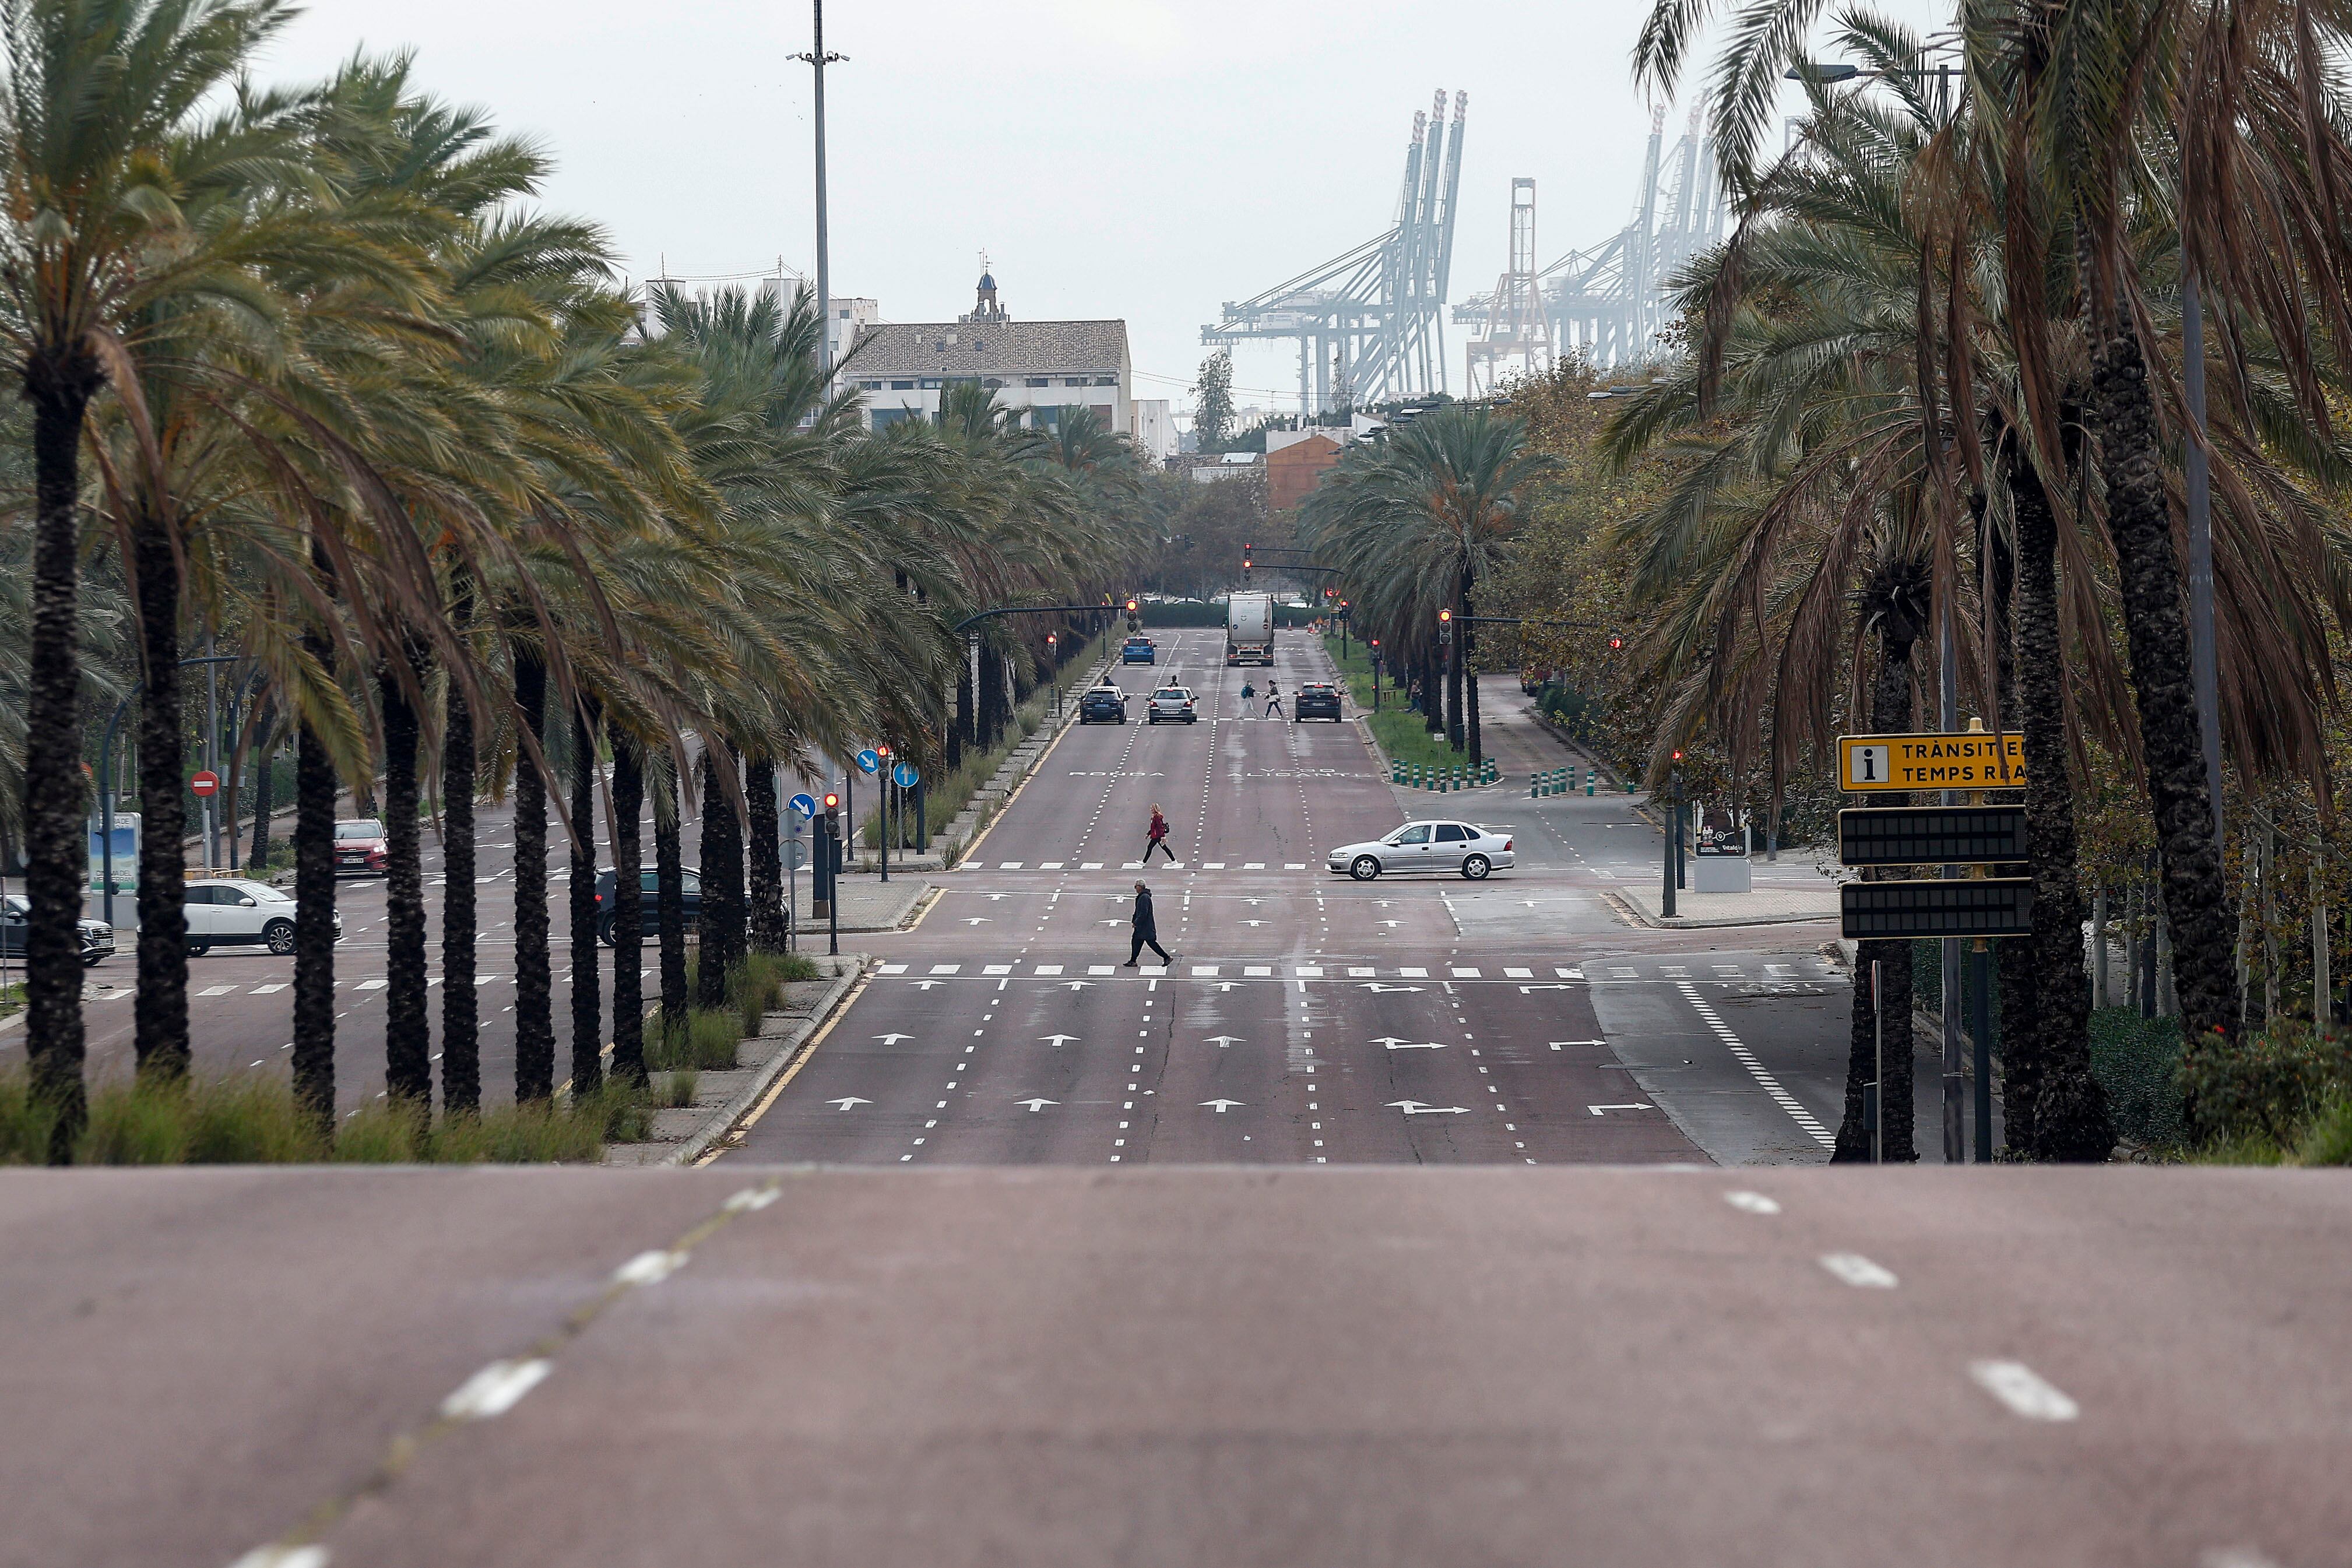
pixel 1633 912
pixel 722 1122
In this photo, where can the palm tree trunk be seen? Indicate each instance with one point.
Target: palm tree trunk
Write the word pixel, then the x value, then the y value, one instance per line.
pixel 2068 1109
pixel 407 1033
pixel 628 915
pixel 160 1008
pixel 2016 964
pixel 670 906
pixel 57 854
pixel 1432 689
pixel 587 1012
pixel 1469 677
pixel 1890 1010
pixel 534 979
pixel 766 921
pixel 265 781
pixel 461 1039
pixel 314 919
pixel 2195 901
pixel 963 731
pixel 722 877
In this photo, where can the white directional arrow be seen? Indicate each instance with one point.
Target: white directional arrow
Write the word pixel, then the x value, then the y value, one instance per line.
pixel 893 1039
pixel 975 920
pixel 1227 985
pixel 1597 1110
pixel 1392 923
pixel 992 898
pixel 1547 986
pixel 847 1100
pixel 1036 1105
pixel 1557 1044
pixel 1056 1041
pixel 1075 984
pixel 927 984
pixel 1416 1108
pixel 1392 1043
pixel 1222 1041
pixel 1222 1106
pixel 1249 923
pixel 1375 986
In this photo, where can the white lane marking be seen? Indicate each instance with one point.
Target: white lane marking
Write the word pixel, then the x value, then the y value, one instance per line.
pixel 1859 1271
pixel 1461 974
pixel 1518 974
pixel 1307 971
pixel 283 1557
pixel 1410 973
pixel 270 989
pixel 373 984
pixel 752 1198
pixel 1294 865
pixel 495 1390
pixel 893 969
pixel 1751 1203
pixel 996 969
pixel 1765 1080
pixel 1049 969
pixel 945 968
pixel 216 991
pixel 649 1268
pixel 2024 1390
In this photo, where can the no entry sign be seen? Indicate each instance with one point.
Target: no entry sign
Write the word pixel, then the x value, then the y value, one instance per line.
pixel 206 782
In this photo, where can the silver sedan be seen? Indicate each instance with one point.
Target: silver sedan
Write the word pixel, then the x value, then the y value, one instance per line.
pixel 1463 848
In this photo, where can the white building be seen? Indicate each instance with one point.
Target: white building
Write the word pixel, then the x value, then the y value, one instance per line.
pixel 1154 429
pixel 1040 368
pixel 850 317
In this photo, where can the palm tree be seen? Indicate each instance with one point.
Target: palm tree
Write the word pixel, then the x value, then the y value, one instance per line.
pixel 766 930
pixel 722 875
pixel 534 1020
pixel 96 93
pixel 1436 507
pixel 587 1011
pixel 627 917
pixel 408 1036
pixel 461 1040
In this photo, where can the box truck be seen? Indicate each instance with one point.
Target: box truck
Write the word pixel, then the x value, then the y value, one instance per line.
pixel 1249 628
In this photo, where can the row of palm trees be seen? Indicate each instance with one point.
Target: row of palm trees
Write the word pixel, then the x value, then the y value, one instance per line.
pixel 350 408
pixel 1937 425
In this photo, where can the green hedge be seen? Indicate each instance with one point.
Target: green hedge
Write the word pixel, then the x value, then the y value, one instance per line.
pixel 2135 1060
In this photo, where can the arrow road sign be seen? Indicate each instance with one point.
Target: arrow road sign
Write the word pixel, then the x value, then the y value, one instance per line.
pixel 1075 984
pixel 847 1100
pixel 893 1039
pixel 1557 1044
pixel 904 775
pixel 1547 986
pixel 1597 1110
pixel 1222 1106
pixel 1222 1041
pixel 975 920
pixel 1395 1044
pixel 927 984
pixel 1036 1105
pixel 1375 986
pixel 1416 1108
pixel 868 760
pixel 805 804
pixel 1058 1041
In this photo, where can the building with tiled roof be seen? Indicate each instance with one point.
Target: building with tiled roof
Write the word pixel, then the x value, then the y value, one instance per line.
pixel 902 368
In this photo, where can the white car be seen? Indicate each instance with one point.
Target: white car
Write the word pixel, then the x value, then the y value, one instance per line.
pixel 1173 703
pixel 1463 848
pixel 232 912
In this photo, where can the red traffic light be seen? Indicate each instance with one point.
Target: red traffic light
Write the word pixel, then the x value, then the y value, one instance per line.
pixel 1444 617
pixel 1130 606
pixel 1376 642
pixel 832 801
pixel 1678 756
pixel 1616 642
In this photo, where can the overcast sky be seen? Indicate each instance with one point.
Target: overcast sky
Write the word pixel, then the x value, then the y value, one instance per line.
pixel 1140 159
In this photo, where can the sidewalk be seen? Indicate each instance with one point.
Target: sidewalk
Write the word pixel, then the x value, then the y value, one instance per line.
pixel 1771 903
pixel 867 903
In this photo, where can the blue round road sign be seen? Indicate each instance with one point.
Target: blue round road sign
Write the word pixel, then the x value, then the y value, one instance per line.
pixel 868 760
pixel 906 774
pixel 805 804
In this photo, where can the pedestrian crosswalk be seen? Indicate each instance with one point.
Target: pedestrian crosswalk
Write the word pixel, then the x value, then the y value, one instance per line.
pixel 368 982
pixel 1814 970
pixel 1132 866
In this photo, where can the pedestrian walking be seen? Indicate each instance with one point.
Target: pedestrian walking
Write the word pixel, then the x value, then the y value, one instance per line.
pixel 1158 838
pixel 1147 931
pixel 1273 699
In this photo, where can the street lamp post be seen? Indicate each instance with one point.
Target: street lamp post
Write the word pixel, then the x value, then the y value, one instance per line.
pixel 1376 674
pixel 817 58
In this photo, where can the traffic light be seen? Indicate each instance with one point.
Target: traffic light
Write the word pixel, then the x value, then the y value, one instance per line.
pixel 1247 551
pixel 1445 628
pixel 1134 616
pixel 1615 644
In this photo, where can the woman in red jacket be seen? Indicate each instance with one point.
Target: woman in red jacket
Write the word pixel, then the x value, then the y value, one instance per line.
pixel 1158 840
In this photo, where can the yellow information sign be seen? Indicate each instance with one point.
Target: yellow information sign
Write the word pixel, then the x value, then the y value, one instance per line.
pixel 1868 763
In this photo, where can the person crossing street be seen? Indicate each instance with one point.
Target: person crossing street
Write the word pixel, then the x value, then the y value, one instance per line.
pixel 1158 838
pixel 1147 930
pixel 1272 698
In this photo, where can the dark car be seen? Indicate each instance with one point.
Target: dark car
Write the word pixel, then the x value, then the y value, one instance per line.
pixel 1138 651
pixel 360 846
pixel 648 915
pixel 16 917
pixel 1102 705
pixel 1315 700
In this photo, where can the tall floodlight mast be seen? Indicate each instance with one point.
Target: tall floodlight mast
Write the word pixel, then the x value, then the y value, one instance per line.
pixel 1518 331
pixel 1368 323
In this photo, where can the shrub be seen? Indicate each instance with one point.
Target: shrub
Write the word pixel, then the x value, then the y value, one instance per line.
pixel 2137 1062
pixel 2269 1084
pixel 25 1122
pixel 677 1090
pixel 2328 1139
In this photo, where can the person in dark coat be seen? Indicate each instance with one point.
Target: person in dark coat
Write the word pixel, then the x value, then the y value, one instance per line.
pixel 1147 930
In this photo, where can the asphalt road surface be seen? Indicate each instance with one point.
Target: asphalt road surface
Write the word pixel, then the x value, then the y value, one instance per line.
pixel 1309 1018
pixel 2124 1368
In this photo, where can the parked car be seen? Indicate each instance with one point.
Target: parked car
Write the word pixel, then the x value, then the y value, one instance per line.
pixel 360 846
pixel 15 920
pixel 1102 705
pixel 1173 703
pixel 648 889
pixel 1460 847
pixel 1315 700
pixel 1138 651
pixel 229 912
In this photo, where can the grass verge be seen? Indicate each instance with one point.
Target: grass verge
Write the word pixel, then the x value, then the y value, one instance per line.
pixel 1403 733
pixel 237 1122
